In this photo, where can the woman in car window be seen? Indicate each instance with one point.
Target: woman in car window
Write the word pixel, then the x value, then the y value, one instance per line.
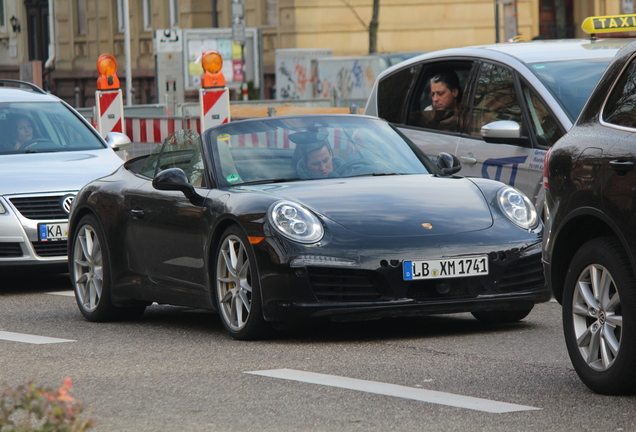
pixel 23 132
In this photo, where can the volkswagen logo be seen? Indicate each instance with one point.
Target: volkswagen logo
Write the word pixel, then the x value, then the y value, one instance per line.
pixel 67 201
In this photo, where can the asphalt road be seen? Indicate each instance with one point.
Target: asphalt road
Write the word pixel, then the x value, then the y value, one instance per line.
pixel 176 370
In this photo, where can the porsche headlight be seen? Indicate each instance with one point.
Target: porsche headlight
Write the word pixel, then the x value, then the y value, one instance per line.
pixel 2 209
pixel 517 207
pixel 295 222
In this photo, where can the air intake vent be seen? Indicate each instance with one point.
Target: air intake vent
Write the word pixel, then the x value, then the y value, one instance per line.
pixel 40 208
pixel 341 285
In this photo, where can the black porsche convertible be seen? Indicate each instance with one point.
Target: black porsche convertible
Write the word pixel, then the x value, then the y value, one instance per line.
pixel 274 220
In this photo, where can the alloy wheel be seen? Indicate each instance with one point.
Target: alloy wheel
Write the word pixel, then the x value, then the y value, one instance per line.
pixel 234 283
pixel 88 268
pixel 597 317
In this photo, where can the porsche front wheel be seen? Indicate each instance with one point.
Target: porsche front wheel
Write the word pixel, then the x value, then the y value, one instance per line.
pixel 90 275
pixel 238 288
pixel 599 317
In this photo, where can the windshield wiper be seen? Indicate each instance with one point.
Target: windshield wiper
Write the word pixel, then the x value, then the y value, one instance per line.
pixel 265 181
pixel 374 174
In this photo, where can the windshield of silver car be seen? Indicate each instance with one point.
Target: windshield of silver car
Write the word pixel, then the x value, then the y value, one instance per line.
pixel 571 81
pixel 36 127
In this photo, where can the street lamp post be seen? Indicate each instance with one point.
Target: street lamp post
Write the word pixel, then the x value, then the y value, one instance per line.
pixel 238 36
pixel 129 89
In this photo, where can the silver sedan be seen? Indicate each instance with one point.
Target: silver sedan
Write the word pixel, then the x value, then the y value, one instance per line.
pixel 47 153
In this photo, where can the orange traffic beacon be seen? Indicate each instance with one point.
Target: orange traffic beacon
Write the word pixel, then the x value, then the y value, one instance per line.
pixel 107 68
pixel 214 96
pixel 108 97
pixel 212 63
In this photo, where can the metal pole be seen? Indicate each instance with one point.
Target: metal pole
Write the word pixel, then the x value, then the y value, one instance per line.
pixel 496 21
pixel 244 83
pixel 126 13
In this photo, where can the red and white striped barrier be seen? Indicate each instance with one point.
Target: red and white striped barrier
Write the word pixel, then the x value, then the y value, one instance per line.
pixel 275 139
pixel 155 130
pixel 215 106
pixel 110 107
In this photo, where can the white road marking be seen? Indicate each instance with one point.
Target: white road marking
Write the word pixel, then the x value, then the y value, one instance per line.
pixel 63 293
pixel 32 339
pixel 430 396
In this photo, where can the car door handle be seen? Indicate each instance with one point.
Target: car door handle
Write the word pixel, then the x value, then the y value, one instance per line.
pixel 137 214
pixel 468 159
pixel 621 166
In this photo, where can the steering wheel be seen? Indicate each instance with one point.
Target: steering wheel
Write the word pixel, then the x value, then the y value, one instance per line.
pixel 36 142
pixel 354 165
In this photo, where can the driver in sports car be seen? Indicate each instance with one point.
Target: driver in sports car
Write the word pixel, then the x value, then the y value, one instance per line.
pixel 317 160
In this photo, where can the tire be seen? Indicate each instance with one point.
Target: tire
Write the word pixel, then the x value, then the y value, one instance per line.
pixel 237 287
pixel 502 316
pixel 90 275
pixel 599 317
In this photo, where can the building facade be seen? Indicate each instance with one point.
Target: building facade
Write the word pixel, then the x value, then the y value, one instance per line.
pixel 56 43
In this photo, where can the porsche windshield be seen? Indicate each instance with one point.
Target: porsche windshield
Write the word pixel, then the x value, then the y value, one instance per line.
pixel 311 147
pixel 34 127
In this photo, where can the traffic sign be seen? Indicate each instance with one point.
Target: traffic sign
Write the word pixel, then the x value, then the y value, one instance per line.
pixel 238 31
pixel 238 9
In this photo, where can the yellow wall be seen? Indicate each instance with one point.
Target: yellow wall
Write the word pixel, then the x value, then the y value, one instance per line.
pixel 404 25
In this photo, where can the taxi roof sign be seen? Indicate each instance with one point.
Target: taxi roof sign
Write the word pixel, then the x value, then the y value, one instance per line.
pixel 609 23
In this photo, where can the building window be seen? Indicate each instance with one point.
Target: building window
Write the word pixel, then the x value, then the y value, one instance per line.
pixel 120 16
pixel 3 19
pixel 147 14
pixel 271 12
pixel 81 17
pixel 173 11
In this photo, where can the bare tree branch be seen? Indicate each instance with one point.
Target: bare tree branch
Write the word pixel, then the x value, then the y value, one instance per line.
pixel 346 2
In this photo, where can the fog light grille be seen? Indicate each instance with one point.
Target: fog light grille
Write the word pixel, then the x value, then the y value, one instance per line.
pixel 10 250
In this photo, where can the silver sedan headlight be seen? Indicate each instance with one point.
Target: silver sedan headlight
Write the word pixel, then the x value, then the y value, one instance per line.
pixel 518 208
pixel 295 222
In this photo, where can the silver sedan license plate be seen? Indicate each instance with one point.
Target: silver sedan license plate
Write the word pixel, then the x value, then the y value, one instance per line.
pixel 53 232
pixel 446 268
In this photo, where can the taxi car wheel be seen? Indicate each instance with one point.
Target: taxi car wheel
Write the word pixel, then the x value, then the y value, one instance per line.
pixel 238 288
pixel 502 316
pixel 599 317
pixel 90 275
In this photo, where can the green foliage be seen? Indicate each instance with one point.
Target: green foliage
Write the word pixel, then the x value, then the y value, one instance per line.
pixel 28 408
pixel 253 92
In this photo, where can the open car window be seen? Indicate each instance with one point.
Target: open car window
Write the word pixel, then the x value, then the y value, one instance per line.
pixel 52 127
pixel 421 110
pixel 310 148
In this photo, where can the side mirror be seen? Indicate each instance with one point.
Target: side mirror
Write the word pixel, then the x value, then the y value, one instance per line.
pixel 503 132
pixel 174 179
pixel 448 164
pixel 117 140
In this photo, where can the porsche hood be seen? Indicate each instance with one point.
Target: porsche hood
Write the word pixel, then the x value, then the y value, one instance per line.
pixel 406 205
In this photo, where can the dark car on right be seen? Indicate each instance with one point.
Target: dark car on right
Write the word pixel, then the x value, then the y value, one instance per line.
pixel 589 253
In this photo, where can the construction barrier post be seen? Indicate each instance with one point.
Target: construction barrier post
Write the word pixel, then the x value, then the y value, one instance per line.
pixel 214 96
pixel 108 97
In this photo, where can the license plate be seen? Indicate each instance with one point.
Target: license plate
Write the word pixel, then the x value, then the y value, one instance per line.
pixel 53 232
pixel 445 268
